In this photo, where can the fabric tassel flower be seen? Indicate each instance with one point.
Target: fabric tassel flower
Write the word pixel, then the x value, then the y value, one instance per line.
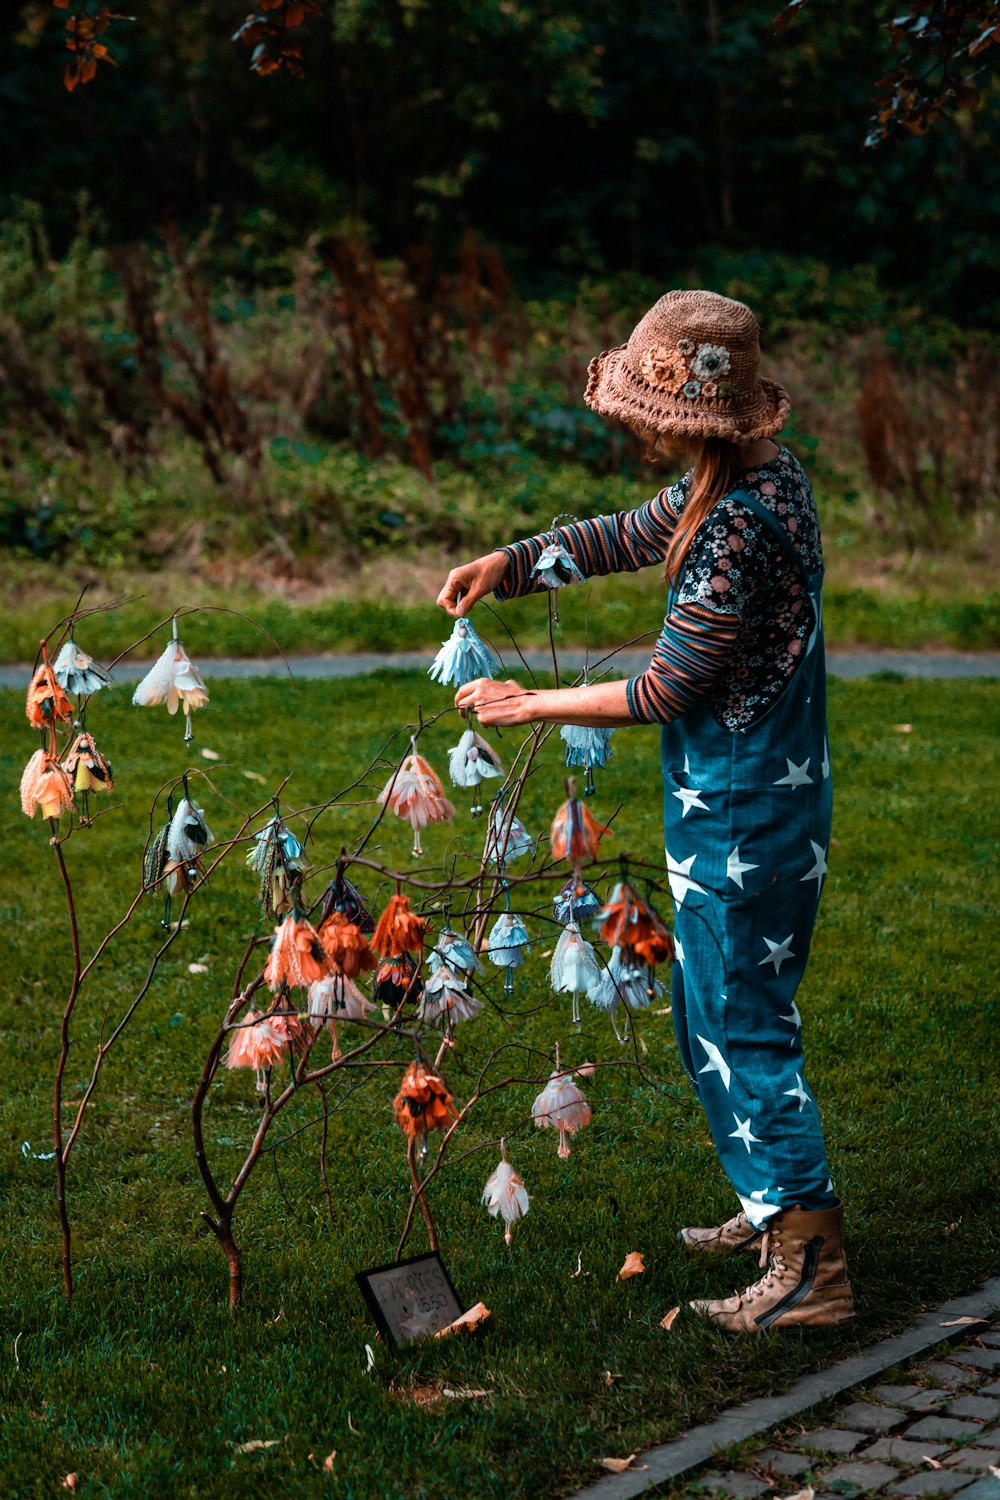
pixel 446 999
pixel 345 945
pixel 575 969
pixel 423 1103
pixel 399 930
pixel 587 748
pixel 86 767
pixel 173 680
pixel 396 980
pixel 505 1195
pixel 506 837
pixel 77 672
pixel 463 657
pixel 625 982
pixel 556 567
pixel 259 1042
pixel 341 895
pixel 414 792
pixel 636 927
pixel 188 836
pixel 576 833
pixel 276 857
pixel 337 998
pixel 561 1106
pixel 508 943
pixel 46 702
pixel 45 786
pixel 576 902
pixel 297 957
pixel 453 949
pixel 471 762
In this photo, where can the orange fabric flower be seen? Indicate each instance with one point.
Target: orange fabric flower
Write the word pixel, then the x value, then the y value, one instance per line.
pixel 346 945
pixel 423 1102
pixel 399 930
pixel 46 702
pixel 45 786
pixel 636 927
pixel 576 833
pixel 297 955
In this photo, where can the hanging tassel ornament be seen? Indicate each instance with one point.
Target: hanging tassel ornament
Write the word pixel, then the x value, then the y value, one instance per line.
pixel 340 895
pixel 335 998
pixel 397 980
pixel 454 950
pixel 45 787
pixel 276 857
pixel 575 902
pixel 508 943
pixel 446 999
pixel 423 1103
pixel 462 658
pixel 506 836
pixel 77 672
pixel 259 1042
pixel 575 832
pixel 173 680
pixel 636 927
pixel 471 762
pixel 587 748
pixel 414 792
pixel 345 945
pixel 575 969
pixel 556 568
pixel 297 956
pixel 399 930
pixel 561 1106
pixel 187 839
pixel 625 982
pixel 505 1195
pixel 87 770
pixel 46 703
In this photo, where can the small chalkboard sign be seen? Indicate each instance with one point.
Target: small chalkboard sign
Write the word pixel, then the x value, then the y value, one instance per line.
pixel 411 1298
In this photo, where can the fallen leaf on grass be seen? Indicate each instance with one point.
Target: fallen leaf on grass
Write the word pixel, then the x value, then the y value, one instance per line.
pixel 254 776
pixel 806 1494
pixel 932 1461
pixel 671 1318
pixel 370 1358
pixel 586 1070
pixel 633 1266
pixel 197 968
pixel 328 1461
pixel 208 754
pixel 462 1394
pixel 610 1379
pixel 69 1483
pixel 994 1470
pixel 956 1322
pixel 572 1275
pixel 467 1321
pixel 619 1465
pixel 256 1445
pixel 903 728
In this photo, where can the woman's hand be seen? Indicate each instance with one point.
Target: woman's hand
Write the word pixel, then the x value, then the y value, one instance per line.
pixel 499 703
pixel 464 586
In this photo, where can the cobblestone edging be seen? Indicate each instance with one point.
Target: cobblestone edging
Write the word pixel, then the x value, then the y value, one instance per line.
pixel 949 1412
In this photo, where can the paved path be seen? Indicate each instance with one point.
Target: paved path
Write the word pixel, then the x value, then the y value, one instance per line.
pixel 840 663
pixel 934 1431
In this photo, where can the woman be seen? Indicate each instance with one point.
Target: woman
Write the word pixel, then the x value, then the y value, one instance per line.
pixel 737 680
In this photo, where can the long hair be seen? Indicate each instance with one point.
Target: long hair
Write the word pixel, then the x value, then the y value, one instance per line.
pixel 717 467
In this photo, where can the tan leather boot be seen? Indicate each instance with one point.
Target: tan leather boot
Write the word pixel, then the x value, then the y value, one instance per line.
pixel 735 1234
pixel 805 1285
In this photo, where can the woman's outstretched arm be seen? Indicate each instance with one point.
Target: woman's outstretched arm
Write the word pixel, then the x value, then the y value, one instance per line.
pixel 604 705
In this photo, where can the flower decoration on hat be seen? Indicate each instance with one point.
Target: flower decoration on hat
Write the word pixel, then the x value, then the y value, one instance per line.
pixel 661 367
pixel 710 362
pixel 505 1194
pixel 174 680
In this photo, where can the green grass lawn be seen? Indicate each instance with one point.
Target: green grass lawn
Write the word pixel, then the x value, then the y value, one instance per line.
pixel 146 1385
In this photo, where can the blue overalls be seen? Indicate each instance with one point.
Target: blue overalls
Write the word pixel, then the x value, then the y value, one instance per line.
pixel 747 818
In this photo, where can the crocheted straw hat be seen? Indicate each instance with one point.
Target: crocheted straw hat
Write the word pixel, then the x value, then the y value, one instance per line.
pixel 690 368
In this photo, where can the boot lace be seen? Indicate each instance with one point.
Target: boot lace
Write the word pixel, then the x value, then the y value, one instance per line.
pixel 772 1256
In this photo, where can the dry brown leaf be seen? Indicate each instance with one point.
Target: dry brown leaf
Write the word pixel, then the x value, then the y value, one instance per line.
pixel 617 1465
pixel 256 1445
pixel 932 1461
pixel 467 1321
pixel 633 1266
pixel 806 1494
pixel 586 1070
pixel 328 1461
pixel 208 754
pixel 671 1318
pixel 956 1322
pixel 254 776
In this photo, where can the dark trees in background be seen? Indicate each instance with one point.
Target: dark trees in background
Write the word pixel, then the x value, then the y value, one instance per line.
pixel 579 135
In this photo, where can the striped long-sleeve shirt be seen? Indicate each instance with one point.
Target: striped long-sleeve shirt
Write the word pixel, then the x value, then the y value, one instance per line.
pixel 739 624
pixel 694 641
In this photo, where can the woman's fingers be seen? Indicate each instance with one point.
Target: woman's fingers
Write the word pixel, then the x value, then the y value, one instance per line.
pixel 498 703
pixel 466 585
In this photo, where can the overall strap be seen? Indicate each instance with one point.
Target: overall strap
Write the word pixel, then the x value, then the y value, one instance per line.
pixel 775 526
